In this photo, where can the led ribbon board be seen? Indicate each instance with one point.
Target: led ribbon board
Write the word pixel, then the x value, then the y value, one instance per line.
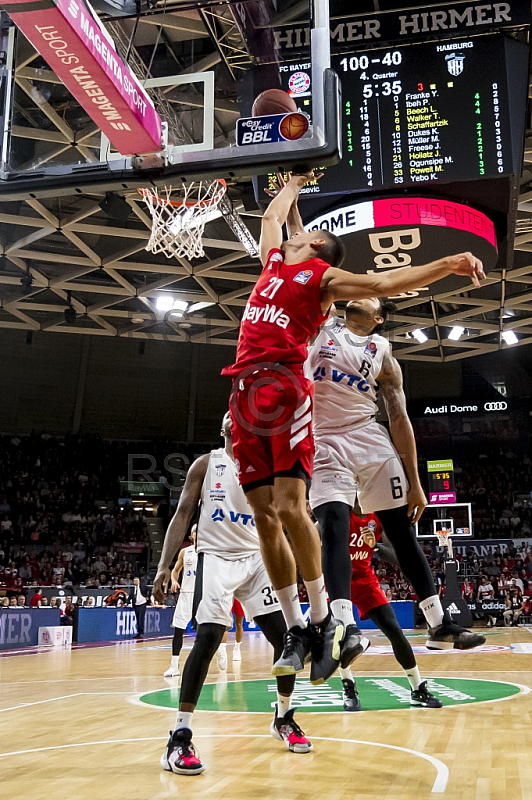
pixel 82 54
pixel 399 232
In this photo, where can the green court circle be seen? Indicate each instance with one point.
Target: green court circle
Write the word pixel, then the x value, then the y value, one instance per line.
pixel 377 693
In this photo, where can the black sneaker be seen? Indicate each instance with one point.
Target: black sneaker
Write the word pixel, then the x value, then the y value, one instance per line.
pixel 296 652
pixel 353 645
pixel 326 645
pixel 422 697
pixel 449 635
pixel 286 729
pixel 351 698
pixel 180 755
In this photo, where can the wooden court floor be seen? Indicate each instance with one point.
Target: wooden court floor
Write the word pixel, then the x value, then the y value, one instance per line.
pixel 72 728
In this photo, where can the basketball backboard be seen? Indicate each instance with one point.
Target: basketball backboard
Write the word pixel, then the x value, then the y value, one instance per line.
pixel 202 67
pixel 454 518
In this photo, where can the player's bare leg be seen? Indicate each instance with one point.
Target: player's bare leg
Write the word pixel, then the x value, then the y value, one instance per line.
pixel 285 505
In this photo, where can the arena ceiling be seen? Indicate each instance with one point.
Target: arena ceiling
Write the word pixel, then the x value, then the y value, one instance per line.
pixel 85 254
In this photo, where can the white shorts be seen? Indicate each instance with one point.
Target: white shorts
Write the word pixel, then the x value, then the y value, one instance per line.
pixel 183 610
pixel 220 581
pixel 359 463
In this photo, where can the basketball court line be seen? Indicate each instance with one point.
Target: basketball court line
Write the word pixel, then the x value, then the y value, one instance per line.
pixel 438 787
pixel 53 699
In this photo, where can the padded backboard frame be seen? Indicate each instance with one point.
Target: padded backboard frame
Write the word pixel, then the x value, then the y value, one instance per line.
pixel 444 515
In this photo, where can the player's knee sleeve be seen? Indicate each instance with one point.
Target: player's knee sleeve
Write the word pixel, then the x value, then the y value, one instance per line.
pixel 273 627
pixel 177 641
pixel 333 519
pixel 197 664
pixel 385 619
pixel 412 560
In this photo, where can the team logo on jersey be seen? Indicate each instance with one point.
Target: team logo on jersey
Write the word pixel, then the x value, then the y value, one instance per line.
pixel 220 469
pixel 237 462
pixel 370 349
pixel 304 276
pixel 372 525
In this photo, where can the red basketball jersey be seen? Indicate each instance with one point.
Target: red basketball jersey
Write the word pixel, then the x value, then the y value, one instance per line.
pixel 282 314
pixel 360 552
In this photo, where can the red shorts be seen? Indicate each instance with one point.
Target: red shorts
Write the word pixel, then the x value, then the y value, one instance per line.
pixel 237 609
pixel 366 593
pixel 271 410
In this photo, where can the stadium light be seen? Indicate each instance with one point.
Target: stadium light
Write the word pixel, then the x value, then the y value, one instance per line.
pixel 420 335
pixel 178 308
pixel 509 337
pixel 456 333
pixel 164 302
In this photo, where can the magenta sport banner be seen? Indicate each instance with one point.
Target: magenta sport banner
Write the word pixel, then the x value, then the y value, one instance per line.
pixel 80 51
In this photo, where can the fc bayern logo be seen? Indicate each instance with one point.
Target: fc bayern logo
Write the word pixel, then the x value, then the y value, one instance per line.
pixel 298 83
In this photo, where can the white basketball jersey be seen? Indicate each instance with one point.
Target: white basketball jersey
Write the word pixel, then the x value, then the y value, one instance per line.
pixel 344 368
pixel 226 526
pixel 190 560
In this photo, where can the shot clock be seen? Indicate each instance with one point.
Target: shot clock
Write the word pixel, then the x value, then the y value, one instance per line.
pixel 441 481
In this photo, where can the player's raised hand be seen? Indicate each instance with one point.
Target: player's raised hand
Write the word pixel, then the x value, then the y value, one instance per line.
pixel 278 183
pixel 468 264
pixel 417 502
pixel 160 584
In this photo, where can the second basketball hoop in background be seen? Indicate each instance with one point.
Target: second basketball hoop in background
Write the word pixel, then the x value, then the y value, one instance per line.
pixel 178 223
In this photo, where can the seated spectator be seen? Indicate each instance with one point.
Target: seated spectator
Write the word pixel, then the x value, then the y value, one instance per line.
pixel 514 607
pixel 21 601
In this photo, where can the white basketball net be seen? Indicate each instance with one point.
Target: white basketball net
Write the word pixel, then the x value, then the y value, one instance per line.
pixel 444 540
pixel 177 226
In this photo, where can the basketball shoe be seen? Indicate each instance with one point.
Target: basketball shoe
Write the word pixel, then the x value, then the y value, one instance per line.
pixel 173 669
pixel 422 697
pixel 237 655
pixel 351 698
pixel 353 645
pixel 180 755
pixel 449 635
pixel 296 651
pixel 221 657
pixel 286 729
pixel 326 646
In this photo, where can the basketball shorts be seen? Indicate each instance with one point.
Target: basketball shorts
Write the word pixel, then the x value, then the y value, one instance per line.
pixel 220 581
pixel 183 610
pixel 360 463
pixel 366 593
pixel 237 609
pixel 271 410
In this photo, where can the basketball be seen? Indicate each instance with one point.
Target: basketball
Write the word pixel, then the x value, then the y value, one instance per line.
pixel 294 126
pixel 273 101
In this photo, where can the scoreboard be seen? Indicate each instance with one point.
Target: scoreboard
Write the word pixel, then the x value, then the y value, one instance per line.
pixel 429 113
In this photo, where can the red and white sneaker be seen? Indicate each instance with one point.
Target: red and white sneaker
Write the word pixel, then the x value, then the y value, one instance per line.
pixel 180 755
pixel 286 729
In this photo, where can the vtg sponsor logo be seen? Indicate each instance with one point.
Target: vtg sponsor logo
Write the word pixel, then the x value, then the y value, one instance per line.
pixel 234 516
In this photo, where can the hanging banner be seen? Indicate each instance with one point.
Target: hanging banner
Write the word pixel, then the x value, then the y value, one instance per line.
pixel 82 54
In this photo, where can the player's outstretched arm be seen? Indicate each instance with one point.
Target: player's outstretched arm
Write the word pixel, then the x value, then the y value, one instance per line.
pixel 277 212
pixel 338 284
pixel 391 385
pixel 188 502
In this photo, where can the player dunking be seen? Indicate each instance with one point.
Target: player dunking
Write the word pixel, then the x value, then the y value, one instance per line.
pixel 371 603
pixel 355 456
pixel 229 566
pixel 271 407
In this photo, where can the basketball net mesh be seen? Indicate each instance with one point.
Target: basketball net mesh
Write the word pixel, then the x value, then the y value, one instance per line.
pixel 444 540
pixel 177 226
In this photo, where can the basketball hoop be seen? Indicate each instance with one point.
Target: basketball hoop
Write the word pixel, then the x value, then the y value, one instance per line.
pixel 178 225
pixel 444 540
